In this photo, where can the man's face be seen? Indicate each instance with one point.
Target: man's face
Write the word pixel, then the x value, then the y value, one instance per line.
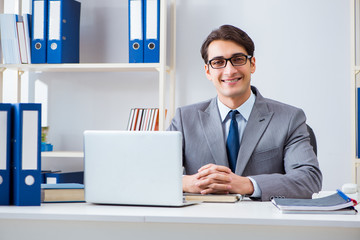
pixel 232 83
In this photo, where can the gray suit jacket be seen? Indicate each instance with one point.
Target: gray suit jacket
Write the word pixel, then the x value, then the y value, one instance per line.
pixel 275 147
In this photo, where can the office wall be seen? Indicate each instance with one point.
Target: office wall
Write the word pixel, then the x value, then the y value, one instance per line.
pixel 302 55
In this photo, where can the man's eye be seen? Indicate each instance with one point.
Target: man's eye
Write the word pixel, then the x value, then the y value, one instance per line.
pixel 218 62
pixel 237 60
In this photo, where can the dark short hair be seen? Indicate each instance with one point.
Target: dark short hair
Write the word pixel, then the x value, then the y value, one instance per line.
pixel 228 33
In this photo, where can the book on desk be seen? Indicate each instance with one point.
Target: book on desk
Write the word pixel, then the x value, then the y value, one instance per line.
pixel 337 203
pixel 62 192
pixel 214 198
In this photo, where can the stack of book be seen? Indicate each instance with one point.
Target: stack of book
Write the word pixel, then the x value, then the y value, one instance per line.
pixel 337 203
pixel 62 187
pixel 143 119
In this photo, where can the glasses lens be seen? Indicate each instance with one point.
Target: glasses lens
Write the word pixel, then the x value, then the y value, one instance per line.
pixel 239 60
pixel 218 63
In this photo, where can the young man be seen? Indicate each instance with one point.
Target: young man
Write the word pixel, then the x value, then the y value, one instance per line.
pixel 263 150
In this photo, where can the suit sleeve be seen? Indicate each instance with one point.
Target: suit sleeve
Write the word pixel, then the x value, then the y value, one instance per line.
pixel 302 175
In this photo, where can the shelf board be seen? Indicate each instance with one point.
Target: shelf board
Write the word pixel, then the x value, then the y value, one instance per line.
pixel 84 67
pixel 63 154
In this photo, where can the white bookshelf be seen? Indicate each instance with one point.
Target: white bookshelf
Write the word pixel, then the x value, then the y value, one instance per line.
pixel 166 72
pixel 355 70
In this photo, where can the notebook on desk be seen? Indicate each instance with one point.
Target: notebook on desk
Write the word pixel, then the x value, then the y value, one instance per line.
pixel 133 168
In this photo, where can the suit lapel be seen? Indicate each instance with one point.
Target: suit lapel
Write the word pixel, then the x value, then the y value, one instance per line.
pixel 258 121
pixel 212 127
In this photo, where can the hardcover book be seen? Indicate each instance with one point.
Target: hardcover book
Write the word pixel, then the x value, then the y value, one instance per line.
pixel 62 192
pixel 215 198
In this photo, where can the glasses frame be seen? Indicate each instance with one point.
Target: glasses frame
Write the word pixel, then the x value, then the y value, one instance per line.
pixel 229 60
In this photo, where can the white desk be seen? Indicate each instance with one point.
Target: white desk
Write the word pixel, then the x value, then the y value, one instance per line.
pixel 246 219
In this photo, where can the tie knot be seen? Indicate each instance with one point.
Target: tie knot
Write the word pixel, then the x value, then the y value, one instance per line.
pixel 233 113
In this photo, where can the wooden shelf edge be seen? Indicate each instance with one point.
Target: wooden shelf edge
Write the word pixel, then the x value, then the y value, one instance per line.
pixel 63 154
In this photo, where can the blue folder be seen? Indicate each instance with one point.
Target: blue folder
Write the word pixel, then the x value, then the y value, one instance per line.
pixel 151 31
pixel 136 31
pixel 63 31
pixel 26 158
pixel 39 31
pixel 5 141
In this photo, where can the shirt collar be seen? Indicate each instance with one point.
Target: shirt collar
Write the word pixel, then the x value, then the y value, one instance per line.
pixel 244 109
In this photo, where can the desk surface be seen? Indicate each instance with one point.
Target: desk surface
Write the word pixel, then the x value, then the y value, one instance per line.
pixel 245 213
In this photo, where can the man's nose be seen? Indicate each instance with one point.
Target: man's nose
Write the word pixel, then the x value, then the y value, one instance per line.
pixel 229 68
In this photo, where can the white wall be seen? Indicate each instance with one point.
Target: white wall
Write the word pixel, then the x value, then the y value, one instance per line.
pixel 302 52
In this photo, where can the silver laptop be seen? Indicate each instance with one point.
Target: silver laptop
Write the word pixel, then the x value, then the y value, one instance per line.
pixel 133 168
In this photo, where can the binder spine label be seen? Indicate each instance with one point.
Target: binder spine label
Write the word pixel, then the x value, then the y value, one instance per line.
pixel 151 19
pixel 39 19
pixel 136 29
pixel 30 140
pixel 54 20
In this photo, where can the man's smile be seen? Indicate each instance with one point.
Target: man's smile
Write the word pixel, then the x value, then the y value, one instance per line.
pixel 231 80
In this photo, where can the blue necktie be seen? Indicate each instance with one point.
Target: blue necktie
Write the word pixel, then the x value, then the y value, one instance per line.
pixel 233 142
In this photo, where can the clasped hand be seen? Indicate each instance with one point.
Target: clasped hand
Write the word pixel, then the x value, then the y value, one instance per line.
pixel 216 179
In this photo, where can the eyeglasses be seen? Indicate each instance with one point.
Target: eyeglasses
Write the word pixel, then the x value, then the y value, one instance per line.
pixel 237 60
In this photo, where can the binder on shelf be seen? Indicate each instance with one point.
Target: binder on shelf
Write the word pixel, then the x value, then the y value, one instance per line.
pixel 136 114
pixel 139 119
pixel 9 39
pixel 152 29
pixel 155 121
pixel 63 41
pixel 20 27
pixel 5 141
pixel 27 29
pixel 26 158
pixel 131 116
pixel 136 31
pixel 39 31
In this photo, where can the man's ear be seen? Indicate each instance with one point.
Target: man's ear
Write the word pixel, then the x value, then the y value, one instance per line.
pixel 207 71
pixel 253 64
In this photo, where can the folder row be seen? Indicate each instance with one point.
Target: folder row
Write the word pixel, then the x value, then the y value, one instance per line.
pixel 50 35
pixel 20 155
pixel 144 31
pixel 55 31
